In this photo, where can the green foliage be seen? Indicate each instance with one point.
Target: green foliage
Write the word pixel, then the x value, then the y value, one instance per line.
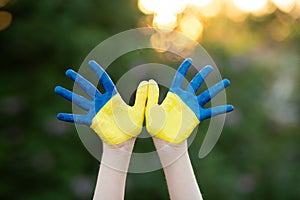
pixel 257 156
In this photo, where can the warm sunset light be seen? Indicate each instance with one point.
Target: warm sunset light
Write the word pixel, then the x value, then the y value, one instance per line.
pixel 250 5
pixel 210 9
pixel 147 6
pixel 163 21
pixel 3 2
pixel 285 5
pixel 115 100
pixel 5 19
pixel 191 27
pixel 199 3
pixel 187 16
pixel 161 7
pixel 5 16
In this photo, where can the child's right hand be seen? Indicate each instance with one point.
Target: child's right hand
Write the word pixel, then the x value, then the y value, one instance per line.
pixel 181 111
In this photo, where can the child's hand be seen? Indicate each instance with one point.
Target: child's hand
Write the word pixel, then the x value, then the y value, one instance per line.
pixel 107 114
pixel 181 111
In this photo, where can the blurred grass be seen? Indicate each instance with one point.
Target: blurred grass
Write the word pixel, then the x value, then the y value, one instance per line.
pixel 257 156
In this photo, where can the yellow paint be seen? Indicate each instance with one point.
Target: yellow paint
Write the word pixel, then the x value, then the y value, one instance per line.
pixel 117 122
pixel 173 120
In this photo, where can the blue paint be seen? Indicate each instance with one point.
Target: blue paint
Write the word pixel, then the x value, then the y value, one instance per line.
pixel 75 98
pixel 98 99
pixel 196 103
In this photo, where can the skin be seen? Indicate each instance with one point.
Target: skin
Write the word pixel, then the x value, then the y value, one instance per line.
pixel 175 160
pixel 111 181
pixel 178 170
pixel 113 171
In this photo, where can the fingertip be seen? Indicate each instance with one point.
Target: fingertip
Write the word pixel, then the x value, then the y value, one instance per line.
pixel 208 67
pixel 153 82
pixel 153 92
pixel 143 83
pixel 188 60
pixel 230 108
pixel 226 82
pixel 204 72
pixel 70 73
pixel 141 95
pixel 92 62
pixel 96 68
pixel 60 116
pixel 57 89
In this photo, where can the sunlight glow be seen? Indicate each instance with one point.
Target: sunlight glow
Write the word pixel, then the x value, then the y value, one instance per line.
pixel 250 5
pixel 161 6
pixel 191 27
pixel 3 2
pixel 285 5
pixel 188 16
pixel 159 42
pixel 165 21
pixel 147 7
pixel 199 3
pixel 5 19
pixel 211 9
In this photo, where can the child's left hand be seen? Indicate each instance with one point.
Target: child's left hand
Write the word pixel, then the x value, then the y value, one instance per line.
pixel 108 115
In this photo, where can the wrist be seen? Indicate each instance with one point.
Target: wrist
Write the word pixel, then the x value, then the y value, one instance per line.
pixel 169 153
pixel 124 146
pixel 118 156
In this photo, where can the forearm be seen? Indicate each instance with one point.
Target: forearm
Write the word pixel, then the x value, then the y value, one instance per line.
pixel 178 171
pixel 113 171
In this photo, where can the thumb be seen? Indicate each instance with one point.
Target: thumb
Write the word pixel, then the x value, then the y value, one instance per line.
pixel 153 94
pixel 155 119
pixel 141 95
pixel 155 115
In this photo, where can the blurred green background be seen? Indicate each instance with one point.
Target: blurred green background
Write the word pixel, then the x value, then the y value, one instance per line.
pixel 257 156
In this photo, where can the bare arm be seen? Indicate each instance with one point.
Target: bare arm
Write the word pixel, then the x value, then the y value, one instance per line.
pixel 113 171
pixel 171 123
pixel 178 170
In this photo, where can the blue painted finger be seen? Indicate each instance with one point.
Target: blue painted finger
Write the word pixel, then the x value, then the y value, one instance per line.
pixel 84 84
pixel 210 93
pixel 181 73
pixel 104 78
pixel 74 98
pixel 199 79
pixel 65 117
pixel 77 118
pixel 218 110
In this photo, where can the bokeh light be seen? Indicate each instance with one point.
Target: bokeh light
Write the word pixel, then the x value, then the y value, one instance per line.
pixel 191 27
pixel 5 19
pixel 285 5
pixel 199 3
pixel 187 16
pixel 165 21
pixel 210 9
pixel 250 5
pixel 3 2
pixel 258 51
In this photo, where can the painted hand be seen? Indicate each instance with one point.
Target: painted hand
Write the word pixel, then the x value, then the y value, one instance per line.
pixel 181 111
pixel 107 114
